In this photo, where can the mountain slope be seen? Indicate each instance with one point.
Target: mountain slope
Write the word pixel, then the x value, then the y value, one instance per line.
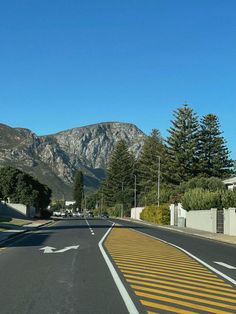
pixel 53 159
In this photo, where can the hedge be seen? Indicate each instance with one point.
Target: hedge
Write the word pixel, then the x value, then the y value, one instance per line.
pixel 155 214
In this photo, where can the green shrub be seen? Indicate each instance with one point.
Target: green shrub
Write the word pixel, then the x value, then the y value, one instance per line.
pixel 198 198
pixel 155 214
pixel 229 199
pixel 211 184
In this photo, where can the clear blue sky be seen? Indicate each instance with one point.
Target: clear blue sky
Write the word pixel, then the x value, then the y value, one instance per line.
pixel 67 63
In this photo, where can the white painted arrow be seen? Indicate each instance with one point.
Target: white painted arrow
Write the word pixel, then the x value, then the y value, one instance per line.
pixel 67 248
pixel 225 265
pixel 48 249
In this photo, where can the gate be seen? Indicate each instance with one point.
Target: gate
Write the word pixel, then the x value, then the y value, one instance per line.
pixel 220 221
pixel 176 215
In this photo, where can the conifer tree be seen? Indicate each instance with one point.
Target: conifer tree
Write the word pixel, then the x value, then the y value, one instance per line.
pixel 182 145
pixel 213 153
pixel 78 188
pixel 118 186
pixel 148 163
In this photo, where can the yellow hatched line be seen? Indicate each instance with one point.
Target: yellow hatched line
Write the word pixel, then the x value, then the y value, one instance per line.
pixel 153 258
pixel 182 303
pixel 219 286
pixel 185 297
pixel 165 266
pixel 177 264
pixel 222 291
pixel 169 288
pixel 165 278
pixel 168 275
pixel 167 308
pixel 165 270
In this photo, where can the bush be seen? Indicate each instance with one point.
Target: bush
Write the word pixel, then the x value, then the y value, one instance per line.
pixel 198 198
pixel 155 214
pixel 229 199
pixel 212 184
pixel 45 214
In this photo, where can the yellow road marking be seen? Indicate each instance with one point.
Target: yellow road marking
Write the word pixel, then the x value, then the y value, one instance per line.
pixel 182 296
pixel 176 279
pixel 166 308
pixel 182 303
pixel 164 266
pixel 204 295
pixel 165 278
pixel 162 270
pixel 222 291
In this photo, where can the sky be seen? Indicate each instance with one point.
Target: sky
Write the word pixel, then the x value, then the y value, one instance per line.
pixel 70 63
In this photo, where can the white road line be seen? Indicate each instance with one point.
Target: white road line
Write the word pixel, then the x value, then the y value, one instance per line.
pixel 91 230
pixel 225 265
pixel 125 296
pixel 194 257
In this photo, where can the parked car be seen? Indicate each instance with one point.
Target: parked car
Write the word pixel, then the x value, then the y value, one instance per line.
pixel 104 215
pixel 57 214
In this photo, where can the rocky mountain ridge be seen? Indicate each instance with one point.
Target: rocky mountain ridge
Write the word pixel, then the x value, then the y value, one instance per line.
pixel 54 158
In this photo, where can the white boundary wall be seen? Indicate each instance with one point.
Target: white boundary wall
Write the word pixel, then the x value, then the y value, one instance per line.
pixel 230 221
pixel 136 211
pixel 202 220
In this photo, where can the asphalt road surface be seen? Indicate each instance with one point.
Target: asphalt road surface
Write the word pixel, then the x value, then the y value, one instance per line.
pixel 61 269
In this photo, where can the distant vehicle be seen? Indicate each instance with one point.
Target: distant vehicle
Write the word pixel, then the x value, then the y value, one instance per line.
pixel 90 214
pixel 104 215
pixel 57 214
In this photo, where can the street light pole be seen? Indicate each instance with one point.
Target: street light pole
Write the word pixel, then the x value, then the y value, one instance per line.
pixel 135 191
pixel 158 180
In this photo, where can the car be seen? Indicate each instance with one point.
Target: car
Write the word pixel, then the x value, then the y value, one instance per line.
pixel 104 215
pixel 57 214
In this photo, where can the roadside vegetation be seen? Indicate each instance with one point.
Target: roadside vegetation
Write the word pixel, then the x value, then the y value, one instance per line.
pixel 194 159
pixel 17 186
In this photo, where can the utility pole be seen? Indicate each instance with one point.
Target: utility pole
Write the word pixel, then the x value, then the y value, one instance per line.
pixel 135 191
pixel 122 209
pixel 158 180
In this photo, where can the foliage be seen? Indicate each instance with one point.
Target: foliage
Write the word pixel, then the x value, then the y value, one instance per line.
pixel 228 199
pixel 78 188
pixel 213 153
pixel 200 199
pixel 181 145
pixel 119 184
pixel 151 196
pixel 45 214
pixel 211 184
pixel 152 156
pixel 20 187
pixel 155 214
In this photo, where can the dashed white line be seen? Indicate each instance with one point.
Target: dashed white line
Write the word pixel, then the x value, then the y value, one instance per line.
pixel 91 230
pixel 225 265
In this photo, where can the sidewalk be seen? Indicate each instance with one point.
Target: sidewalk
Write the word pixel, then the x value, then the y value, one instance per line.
pixel 8 231
pixel 204 234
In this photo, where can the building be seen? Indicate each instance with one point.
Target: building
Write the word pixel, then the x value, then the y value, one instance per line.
pixel 230 183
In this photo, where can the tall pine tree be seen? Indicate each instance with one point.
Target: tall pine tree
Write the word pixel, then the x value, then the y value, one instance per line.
pixel 213 153
pixel 118 186
pixel 182 145
pixel 78 189
pixel 148 163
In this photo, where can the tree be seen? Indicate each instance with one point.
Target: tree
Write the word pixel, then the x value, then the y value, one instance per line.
pixel 153 153
pixel 21 187
pixel 119 184
pixel 78 188
pixel 213 153
pixel 182 145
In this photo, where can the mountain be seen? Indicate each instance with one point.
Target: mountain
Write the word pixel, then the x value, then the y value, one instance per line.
pixel 54 158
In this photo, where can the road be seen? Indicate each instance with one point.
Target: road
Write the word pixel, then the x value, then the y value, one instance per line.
pixel 61 269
